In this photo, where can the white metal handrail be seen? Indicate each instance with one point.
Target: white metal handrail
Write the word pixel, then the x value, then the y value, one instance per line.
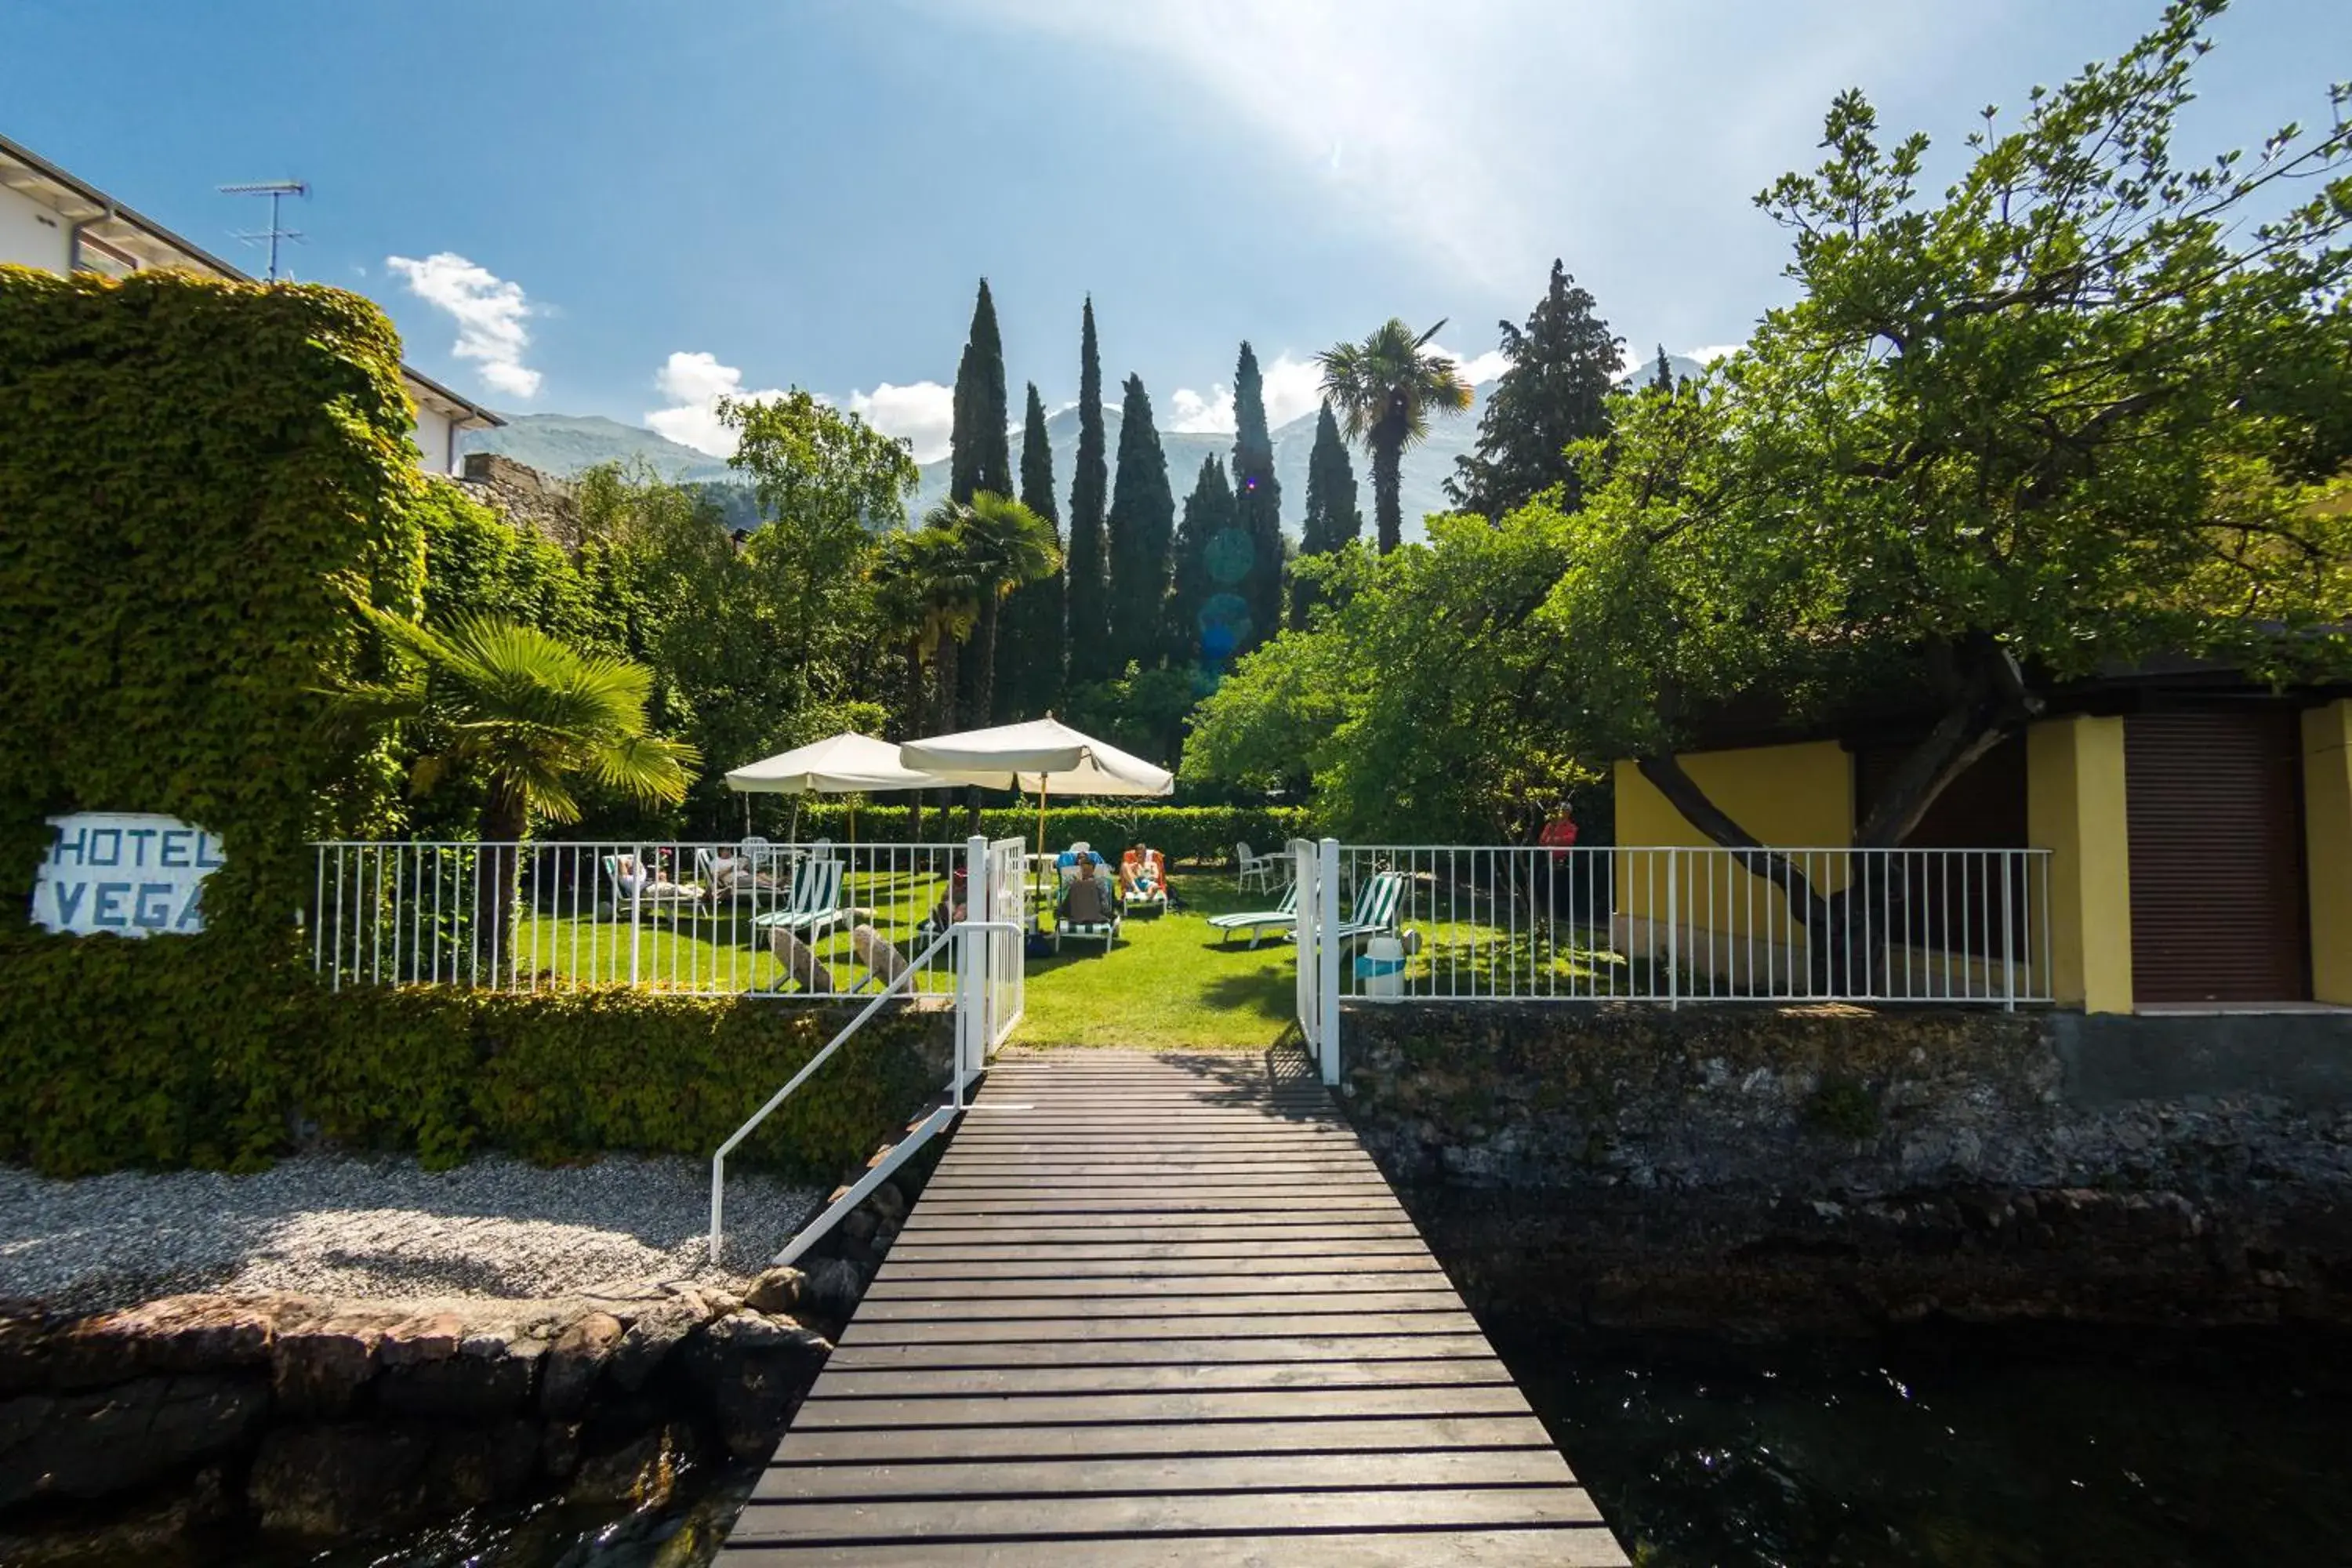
pixel 957 1076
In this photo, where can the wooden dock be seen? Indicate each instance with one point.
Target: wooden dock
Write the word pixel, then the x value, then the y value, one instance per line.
pixel 1164 1309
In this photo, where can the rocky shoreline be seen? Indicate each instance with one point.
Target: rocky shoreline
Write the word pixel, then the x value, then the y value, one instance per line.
pixel 168 1429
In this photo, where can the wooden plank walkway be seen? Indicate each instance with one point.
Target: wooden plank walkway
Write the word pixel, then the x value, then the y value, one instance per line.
pixel 1164 1309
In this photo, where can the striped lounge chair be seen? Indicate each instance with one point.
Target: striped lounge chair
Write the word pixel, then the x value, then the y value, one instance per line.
pixel 1284 916
pixel 1376 907
pixel 814 907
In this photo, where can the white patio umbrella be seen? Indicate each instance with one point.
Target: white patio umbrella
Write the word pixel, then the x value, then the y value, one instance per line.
pixel 1045 755
pixel 846 764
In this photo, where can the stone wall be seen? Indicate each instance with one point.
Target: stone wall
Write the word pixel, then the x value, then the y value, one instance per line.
pixel 1829 1167
pixel 199 1423
pixel 523 495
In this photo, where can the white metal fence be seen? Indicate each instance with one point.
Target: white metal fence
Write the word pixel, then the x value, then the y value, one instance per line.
pixel 705 917
pixel 1454 922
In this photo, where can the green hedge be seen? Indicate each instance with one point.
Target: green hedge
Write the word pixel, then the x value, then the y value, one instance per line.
pixel 1194 834
pixel 116 1053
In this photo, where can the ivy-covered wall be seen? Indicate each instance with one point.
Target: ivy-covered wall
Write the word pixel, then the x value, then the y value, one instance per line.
pixel 194 479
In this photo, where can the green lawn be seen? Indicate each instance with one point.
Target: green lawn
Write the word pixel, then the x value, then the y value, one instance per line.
pixel 1167 984
pixel 714 949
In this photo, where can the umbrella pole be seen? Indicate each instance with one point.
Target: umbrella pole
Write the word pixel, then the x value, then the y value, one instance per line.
pixel 1044 894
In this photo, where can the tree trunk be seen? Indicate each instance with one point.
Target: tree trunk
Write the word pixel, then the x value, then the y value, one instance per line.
pixel 1846 932
pixel 505 817
pixel 983 678
pixel 1388 504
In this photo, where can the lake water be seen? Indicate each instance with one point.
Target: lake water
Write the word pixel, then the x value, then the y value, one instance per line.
pixel 2011 1448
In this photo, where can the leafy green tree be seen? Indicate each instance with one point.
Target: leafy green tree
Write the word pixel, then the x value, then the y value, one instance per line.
pixel 1332 520
pixel 1563 369
pixel 1385 389
pixel 1203 612
pixel 1662 374
pixel 1257 502
pixel 1032 650
pixel 1142 526
pixel 998 544
pixel 1421 703
pixel 2004 440
pixel 529 715
pixel 979 456
pixel 1089 565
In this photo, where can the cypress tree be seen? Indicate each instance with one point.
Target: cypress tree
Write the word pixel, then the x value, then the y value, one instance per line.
pixel 1142 525
pixel 1257 500
pixel 979 457
pixel 1662 378
pixel 1332 518
pixel 1089 570
pixel 1030 644
pixel 1563 368
pixel 1204 614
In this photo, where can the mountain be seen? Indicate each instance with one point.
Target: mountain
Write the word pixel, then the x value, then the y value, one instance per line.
pixel 564 444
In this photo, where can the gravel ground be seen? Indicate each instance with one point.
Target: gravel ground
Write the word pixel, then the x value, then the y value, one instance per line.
pixel 382 1227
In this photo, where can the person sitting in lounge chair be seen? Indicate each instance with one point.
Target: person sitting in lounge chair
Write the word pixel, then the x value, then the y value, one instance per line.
pixel 1143 878
pixel 1088 909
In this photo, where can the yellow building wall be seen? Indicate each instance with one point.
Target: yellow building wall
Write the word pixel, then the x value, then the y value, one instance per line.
pixel 2074 805
pixel 2327 845
pixel 1727 922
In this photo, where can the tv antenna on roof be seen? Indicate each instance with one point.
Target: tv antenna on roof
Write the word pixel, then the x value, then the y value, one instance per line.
pixel 275 190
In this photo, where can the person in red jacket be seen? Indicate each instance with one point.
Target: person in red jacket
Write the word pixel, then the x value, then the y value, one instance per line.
pixel 1559 836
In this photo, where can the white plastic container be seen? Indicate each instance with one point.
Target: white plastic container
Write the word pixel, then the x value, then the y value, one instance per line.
pixel 1379 969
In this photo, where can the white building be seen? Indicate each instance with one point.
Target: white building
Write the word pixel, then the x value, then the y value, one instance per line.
pixel 53 221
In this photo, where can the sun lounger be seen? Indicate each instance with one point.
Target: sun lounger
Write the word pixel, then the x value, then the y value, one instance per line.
pixel 1104 928
pixel 1282 917
pixel 814 905
pixel 632 888
pixel 1376 907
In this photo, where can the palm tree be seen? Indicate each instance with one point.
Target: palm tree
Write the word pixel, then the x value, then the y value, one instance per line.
pixel 1000 545
pixel 530 716
pixel 1384 390
pixel 925 595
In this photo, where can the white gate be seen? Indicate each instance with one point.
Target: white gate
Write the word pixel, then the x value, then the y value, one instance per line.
pixel 1008 899
pixel 1314 873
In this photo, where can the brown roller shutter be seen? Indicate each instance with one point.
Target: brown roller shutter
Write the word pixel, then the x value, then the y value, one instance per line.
pixel 2217 895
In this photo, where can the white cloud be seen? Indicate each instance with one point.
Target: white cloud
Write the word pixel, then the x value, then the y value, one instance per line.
pixel 922 412
pixel 1210 415
pixel 694 383
pixel 1412 117
pixel 489 312
pixel 1713 351
pixel 1291 387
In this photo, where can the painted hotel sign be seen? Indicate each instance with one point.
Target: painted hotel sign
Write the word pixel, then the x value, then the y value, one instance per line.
pixel 130 873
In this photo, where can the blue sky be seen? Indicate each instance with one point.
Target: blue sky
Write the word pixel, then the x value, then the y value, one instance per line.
pixel 624 208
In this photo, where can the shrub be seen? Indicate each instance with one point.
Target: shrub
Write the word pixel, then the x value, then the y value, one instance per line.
pixel 1200 835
